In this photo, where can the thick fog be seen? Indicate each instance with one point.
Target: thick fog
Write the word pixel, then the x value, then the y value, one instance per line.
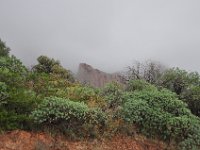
pixel 108 34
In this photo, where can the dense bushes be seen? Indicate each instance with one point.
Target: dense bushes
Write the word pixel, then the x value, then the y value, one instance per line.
pixel 86 94
pixel 192 97
pixel 16 101
pixel 49 65
pixel 48 97
pixel 185 85
pixel 12 71
pixel 177 80
pixel 139 85
pixel 3 93
pixel 65 115
pixel 161 114
pixel 4 50
pixel 15 109
pixel 113 94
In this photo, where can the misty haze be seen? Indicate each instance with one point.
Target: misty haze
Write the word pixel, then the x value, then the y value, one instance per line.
pixel 99 75
pixel 108 35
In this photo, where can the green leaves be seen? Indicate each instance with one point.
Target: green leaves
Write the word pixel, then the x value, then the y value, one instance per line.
pixel 16 102
pixel 192 97
pixel 3 93
pixel 49 65
pixel 4 50
pixel 161 113
pixel 75 109
pixel 67 116
pixel 138 85
pixel 12 72
pixel 185 85
pixel 113 93
pixel 45 64
pixel 54 110
pixel 178 80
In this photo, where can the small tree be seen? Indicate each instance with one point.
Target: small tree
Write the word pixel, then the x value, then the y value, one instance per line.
pixel 4 50
pixel 149 71
pixel 178 80
pixel 45 64
pixel 52 66
pixel 184 84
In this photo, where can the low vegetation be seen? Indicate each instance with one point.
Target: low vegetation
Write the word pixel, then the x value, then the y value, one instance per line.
pixel 160 104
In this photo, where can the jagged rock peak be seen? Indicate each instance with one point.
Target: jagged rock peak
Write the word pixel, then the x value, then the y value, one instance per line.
pixel 89 75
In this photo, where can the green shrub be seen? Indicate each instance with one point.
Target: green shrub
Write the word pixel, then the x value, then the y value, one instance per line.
pixel 177 80
pixel 192 97
pixel 81 93
pixel 188 130
pixel 64 115
pixel 12 72
pixel 149 119
pixel 113 94
pixel 185 84
pixel 53 109
pixel 52 66
pixel 12 120
pixel 134 85
pixel 3 93
pixel 161 114
pixel 15 111
pixel 85 94
pixel 4 50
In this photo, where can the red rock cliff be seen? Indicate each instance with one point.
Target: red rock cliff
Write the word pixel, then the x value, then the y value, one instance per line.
pixel 87 74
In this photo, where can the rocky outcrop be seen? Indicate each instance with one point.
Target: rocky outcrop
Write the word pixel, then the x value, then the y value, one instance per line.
pixel 94 77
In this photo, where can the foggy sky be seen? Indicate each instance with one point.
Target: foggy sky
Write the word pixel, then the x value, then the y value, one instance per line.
pixel 108 34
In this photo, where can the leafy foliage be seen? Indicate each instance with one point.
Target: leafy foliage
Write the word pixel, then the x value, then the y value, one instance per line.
pixel 16 102
pixel 45 64
pixel 15 110
pixel 150 71
pixel 160 114
pixel 192 97
pixel 184 84
pixel 66 113
pixel 48 96
pixel 12 71
pixel 134 85
pixel 86 94
pixel 113 93
pixel 4 50
pixel 47 84
pixel 49 65
pixel 3 93
pixel 178 80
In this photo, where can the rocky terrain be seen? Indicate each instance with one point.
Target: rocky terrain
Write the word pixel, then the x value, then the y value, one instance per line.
pixel 94 77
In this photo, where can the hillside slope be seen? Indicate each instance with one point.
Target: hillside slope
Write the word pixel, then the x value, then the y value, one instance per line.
pixel 22 140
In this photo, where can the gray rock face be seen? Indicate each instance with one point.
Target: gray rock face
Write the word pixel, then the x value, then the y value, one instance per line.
pixel 94 77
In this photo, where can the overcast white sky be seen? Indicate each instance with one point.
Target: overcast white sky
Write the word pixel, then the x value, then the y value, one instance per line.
pixel 108 34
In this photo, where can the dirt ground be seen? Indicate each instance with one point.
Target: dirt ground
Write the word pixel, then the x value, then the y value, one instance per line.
pixel 22 140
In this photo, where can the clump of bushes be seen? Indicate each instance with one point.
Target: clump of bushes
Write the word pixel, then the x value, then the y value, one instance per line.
pixel 16 101
pixel 48 97
pixel 16 108
pixel 68 116
pixel 86 94
pixel 159 113
pixel 3 93
pixel 139 85
pixel 113 95
pixel 185 84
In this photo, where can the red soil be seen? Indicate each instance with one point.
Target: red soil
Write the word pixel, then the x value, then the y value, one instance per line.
pixel 22 140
